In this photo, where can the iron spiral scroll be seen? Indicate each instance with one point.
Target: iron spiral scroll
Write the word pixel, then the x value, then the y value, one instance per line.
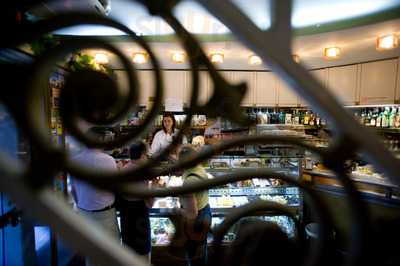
pixel 29 186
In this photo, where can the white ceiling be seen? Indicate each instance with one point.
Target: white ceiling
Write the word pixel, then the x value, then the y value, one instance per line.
pixel 357 44
pixel 197 20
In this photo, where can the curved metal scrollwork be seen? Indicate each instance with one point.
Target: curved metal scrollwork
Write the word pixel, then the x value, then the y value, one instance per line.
pixel 32 193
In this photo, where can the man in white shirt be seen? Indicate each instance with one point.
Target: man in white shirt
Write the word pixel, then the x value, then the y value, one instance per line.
pixel 93 203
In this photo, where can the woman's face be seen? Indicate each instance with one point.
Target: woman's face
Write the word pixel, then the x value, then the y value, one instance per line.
pixel 167 122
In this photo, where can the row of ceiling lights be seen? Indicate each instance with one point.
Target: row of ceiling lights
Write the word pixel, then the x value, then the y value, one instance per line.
pixel 382 43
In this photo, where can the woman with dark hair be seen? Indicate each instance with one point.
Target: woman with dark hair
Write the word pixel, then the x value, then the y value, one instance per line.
pixel 134 212
pixel 163 138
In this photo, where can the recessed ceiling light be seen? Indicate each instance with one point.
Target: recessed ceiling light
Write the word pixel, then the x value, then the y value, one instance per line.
pixel 217 57
pixel 140 58
pixel 332 52
pixel 387 42
pixel 178 57
pixel 255 60
pixel 101 58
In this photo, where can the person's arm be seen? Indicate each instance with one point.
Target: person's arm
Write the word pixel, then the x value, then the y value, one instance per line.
pixel 155 145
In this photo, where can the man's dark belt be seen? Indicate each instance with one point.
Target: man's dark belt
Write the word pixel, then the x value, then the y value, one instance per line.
pixel 101 210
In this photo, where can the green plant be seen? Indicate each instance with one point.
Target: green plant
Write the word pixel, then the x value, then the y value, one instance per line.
pixel 81 61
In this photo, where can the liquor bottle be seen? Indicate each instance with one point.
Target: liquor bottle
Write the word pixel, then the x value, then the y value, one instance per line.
pixel 312 119
pixel 397 119
pixel 379 119
pixel 362 117
pixel 288 118
pixel 373 119
pixel 385 117
pixel 296 117
pixel 301 118
pixel 317 120
pixel 306 119
pixel 281 117
pixel 392 117
pixel 368 119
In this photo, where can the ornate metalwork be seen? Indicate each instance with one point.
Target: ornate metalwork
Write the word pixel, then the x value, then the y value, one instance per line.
pixel 29 186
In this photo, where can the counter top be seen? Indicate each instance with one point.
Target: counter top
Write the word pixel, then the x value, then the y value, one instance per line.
pixel 357 177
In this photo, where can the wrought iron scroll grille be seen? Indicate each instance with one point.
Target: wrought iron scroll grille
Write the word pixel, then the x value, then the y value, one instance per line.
pixel 29 186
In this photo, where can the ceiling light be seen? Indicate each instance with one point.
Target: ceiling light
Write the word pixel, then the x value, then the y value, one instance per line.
pixel 178 57
pixel 332 52
pixel 296 58
pixel 217 58
pixel 387 42
pixel 255 60
pixel 101 58
pixel 140 58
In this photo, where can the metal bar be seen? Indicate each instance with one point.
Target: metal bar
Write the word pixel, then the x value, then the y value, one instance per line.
pixel 74 229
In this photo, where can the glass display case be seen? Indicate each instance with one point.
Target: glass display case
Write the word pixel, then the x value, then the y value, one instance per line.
pixel 223 199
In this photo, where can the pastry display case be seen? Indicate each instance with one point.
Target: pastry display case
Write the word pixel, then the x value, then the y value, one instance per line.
pixel 225 198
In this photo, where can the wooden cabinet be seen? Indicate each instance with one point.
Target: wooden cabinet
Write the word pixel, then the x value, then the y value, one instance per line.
pixel 342 82
pixel 249 78
pixel 146 84
pixel 175 83
pixel 378 82
pixel 286 96
pixel 265 89
pixel 204 84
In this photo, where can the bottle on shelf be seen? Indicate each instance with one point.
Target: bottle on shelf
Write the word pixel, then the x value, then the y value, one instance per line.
pixel 362 117
pixel 317 120
pixel 374 116
pixel 281 117
pixel 288 119
pixel 379 119
pixel 385 118
pixel 306 120
pixel 397 119
pixel 296 117
pixel 368 117
pixel 392 117
pixel 311 121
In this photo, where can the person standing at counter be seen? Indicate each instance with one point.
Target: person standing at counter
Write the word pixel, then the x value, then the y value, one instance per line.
pixel 95 204
pixel 134 212
pixel 196 212
pixel 163 138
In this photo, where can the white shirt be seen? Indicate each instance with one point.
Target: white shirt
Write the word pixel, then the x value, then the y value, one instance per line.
pixel 89 197
pixel 161 140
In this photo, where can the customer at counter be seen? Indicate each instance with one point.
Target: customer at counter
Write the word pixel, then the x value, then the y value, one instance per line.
pixel 163 138
pixel 95 204
pixel 134 212
pixel 196 212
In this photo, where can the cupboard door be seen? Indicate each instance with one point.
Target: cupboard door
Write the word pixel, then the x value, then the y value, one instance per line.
pixel 286 95
pixel 249 78
pixel 378 81
pixel 265 92
pixel 204 93
pixel 175 82
pixel 146 84
pixel 342 82
pixel 322 76
pixel 147 87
